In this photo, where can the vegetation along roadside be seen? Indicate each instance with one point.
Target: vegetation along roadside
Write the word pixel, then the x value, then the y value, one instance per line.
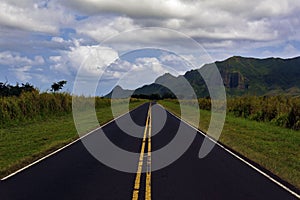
pixel 273 147
pixel 34 124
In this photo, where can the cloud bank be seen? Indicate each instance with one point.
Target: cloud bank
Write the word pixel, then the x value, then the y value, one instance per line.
pixel 43 41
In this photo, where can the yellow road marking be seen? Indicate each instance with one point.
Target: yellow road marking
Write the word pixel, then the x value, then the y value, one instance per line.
pixel 148 175
pixel 137 184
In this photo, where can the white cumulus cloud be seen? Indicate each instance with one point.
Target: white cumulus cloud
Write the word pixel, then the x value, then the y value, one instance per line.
pixel 15 59
pixel 33 15
pixel 88 61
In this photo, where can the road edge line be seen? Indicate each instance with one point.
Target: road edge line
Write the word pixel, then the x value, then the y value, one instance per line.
pixel 237 156
pixel 65 146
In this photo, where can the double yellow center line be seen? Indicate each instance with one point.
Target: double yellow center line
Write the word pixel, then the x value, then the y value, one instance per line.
pixel 137 183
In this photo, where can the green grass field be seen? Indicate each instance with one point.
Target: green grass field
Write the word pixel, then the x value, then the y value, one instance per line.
pixel 275 148
pixel 28 141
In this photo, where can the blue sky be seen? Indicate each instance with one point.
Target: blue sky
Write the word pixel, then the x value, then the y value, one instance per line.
pixel 46 41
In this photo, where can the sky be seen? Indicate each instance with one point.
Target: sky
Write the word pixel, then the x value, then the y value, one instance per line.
pixel 95 44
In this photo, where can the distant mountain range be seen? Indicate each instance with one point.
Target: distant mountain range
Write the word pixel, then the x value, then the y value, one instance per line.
pixel 270 76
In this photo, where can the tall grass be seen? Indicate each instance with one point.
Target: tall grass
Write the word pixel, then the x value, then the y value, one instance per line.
pixel 33 106
pixel 282 111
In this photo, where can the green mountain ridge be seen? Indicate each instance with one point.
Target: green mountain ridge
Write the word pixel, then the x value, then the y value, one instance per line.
pixel 260 76
pixel 241 76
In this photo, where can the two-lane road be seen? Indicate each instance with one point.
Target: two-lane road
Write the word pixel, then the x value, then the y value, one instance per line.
pixel 73 173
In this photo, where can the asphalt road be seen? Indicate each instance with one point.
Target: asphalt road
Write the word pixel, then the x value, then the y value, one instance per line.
pixel 75 174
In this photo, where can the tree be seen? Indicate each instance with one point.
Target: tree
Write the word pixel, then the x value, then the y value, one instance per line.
pixel 11 90
pixel 58 86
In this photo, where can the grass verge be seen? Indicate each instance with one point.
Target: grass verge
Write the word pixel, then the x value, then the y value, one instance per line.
pixel 274 148
pixel 24 143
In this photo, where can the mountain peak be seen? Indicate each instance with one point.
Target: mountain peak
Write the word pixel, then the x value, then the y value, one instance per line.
pixel 117 87
pixel 119 92
pixel 166 77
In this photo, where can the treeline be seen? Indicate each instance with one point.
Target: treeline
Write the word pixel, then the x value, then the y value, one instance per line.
pixel 21 103
pixel 7 90
pixel 282 111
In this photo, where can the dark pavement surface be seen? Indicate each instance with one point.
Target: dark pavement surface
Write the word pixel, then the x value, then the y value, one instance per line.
pixel 75 174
